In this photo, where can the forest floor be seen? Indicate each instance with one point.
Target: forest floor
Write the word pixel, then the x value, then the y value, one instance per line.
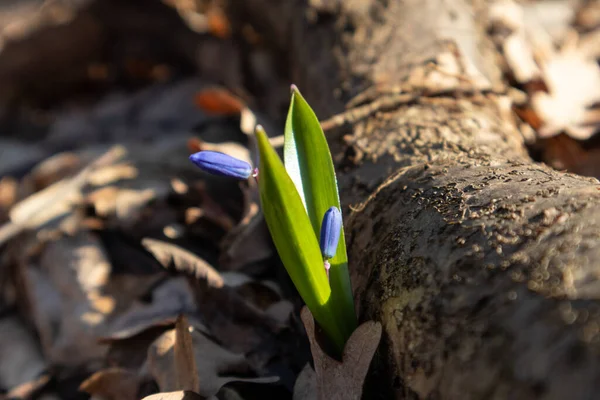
pixel 108 234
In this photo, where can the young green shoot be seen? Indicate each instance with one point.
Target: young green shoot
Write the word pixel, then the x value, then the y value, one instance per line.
pixel 301 206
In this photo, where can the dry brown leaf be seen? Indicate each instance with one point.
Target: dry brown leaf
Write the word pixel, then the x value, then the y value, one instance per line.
pixel 54 202
pixel 112 384
pixel 55 168
pixel 130 202
pixel 520 58
pixel 281 311
pixel 185 363
pixel 517 47
pixel 103 200
pixel 190 13
pixel 235 279
pixel 172 256
pixel 194 145
pixel 21 361
pixel 218 24
pixel 131 352
pixel 216 365
pixel 343 380
pixel 152 219
pixel 529 116
pixel 573 81
pixel 66 294
pixel 260 293
pixel 239 324
pixel 132 332
pixel 8 195
pixel 126 200
pixel 113 173
pixel 170 299
pixel 218 101
pixel 305 387
pixel 28 211
pixel 239 313
pixel 249 241
pixel 246 244
pixel 134 271
pixel 210 210
pixel 43 301
pixel 179 395
pixel 571 75
pixel 264 295
pixel 565 153
pixel 29 390
pixel 160 361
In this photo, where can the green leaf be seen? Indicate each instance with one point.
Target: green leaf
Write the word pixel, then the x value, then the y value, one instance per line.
pixel 295 240
pixel 310 166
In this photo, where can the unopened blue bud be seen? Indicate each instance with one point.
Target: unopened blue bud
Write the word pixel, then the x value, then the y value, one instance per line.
pixel 221 164
pixel 330 232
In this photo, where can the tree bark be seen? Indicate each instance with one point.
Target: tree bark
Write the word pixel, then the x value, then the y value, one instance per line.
pixel 482 265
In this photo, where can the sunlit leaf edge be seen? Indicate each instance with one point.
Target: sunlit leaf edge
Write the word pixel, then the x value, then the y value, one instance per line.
pixel 295 240
pixel 309 163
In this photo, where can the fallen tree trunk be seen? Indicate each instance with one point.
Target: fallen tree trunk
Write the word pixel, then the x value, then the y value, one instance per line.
pixel 482 265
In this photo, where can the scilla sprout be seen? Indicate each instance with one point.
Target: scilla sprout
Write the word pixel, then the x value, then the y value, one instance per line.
pixel 300 203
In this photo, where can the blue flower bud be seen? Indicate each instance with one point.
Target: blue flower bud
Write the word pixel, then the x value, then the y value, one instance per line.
pixel 221 164
pixel 330 232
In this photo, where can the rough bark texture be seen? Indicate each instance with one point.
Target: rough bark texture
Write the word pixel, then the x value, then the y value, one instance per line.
pixel 482 265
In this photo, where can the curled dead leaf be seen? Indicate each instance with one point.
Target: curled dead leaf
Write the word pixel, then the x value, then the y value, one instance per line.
pixel 218 101
pixel 343 380
pixel 112 384
pixel 169 299
pixel 172 256
pixel 216 365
